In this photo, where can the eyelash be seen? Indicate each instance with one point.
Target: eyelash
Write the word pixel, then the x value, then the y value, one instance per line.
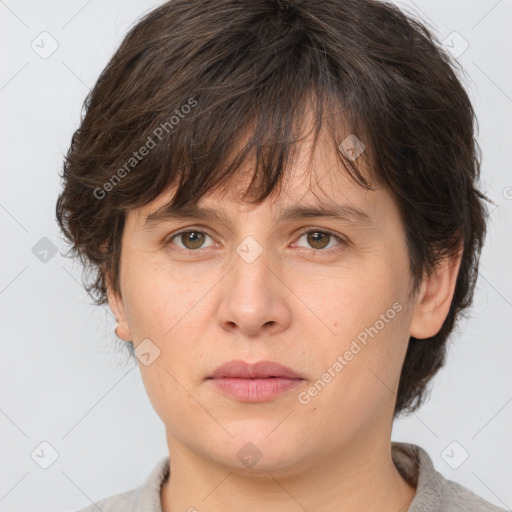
pixel 342 242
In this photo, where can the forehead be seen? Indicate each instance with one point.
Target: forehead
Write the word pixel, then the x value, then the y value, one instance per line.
pixel 317 177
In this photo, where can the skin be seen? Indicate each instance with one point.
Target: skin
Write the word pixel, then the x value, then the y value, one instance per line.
pixel 292 307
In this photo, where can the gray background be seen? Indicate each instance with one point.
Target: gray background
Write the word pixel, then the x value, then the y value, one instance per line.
pixel 62 379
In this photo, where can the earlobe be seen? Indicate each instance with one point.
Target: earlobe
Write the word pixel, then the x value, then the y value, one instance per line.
pixel 116 305
pixel 122 332
pixel 435 298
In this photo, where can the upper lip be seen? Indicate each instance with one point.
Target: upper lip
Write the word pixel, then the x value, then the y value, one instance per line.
pixel 260 370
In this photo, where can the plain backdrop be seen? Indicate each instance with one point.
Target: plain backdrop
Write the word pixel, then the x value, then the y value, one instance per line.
pixel 65 390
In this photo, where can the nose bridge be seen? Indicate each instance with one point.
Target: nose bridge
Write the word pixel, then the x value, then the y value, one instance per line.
pixel 251 276
pixel 251 296
pixel 252 255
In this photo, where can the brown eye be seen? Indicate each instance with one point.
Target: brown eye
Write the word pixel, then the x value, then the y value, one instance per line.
pixel 189 240
pixel 194 238
pixel 318 239
pixel 321 240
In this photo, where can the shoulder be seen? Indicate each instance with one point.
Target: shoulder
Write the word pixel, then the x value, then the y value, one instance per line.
pixel 434 492
pixel 460 499
pixel 121 502
pixel 145 498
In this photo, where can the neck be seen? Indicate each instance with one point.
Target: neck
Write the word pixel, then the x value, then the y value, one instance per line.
pixel 352 479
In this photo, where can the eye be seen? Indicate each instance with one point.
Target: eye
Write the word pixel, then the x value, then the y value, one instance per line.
pixel 191 239
pixel 320 239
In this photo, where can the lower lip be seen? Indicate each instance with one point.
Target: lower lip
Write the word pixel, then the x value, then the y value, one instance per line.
pixel 255 390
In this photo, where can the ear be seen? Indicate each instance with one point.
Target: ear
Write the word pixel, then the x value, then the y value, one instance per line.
pixel 435 298
pixel 116 305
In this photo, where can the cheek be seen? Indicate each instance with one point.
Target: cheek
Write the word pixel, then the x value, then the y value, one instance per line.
pixel 344 303
pixel 156 300
pixel 359 381
pixel 361 320
pixel 167 393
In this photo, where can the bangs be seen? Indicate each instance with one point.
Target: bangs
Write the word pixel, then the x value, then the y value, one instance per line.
pixel 199 159
pixel 200 124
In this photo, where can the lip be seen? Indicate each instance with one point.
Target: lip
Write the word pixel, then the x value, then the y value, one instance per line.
pixel 258 382
pixel 260 370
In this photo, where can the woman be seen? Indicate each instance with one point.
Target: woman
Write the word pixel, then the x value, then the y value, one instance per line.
pixel 279 199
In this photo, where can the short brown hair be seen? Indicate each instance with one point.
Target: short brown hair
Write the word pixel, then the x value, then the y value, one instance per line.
pixel 252 67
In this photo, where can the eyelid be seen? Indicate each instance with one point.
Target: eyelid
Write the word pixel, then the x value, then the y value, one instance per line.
pixel 167 240
pixel 342 241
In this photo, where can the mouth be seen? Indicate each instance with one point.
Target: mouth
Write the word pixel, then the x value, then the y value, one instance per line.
pixel 260 370
pixel 259 382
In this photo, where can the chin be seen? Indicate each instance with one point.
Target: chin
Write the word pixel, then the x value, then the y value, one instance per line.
pixel 259 452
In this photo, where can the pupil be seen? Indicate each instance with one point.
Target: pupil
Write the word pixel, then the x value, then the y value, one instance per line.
pixel 189 239
pixel 314 239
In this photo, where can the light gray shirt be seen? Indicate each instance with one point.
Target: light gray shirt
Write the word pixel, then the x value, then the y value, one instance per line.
pixel 434 493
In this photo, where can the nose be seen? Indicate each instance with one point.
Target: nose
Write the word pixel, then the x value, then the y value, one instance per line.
pixel 255 300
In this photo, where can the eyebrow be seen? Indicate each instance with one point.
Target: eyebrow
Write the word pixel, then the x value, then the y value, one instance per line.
pixel 347 213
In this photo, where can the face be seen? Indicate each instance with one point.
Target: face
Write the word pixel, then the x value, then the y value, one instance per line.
pixel 324 296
